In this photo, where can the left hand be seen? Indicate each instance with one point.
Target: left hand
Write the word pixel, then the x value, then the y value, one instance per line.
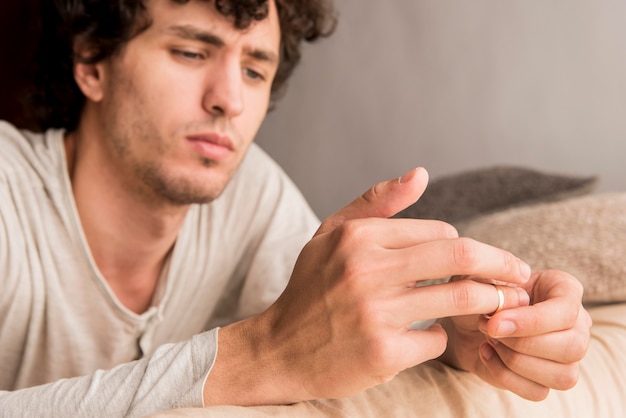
pixel 527 349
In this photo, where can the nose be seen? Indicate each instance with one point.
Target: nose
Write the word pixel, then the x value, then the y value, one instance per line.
pixel 223 95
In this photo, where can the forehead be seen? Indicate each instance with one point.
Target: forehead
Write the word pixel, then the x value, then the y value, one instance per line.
pixel 203 16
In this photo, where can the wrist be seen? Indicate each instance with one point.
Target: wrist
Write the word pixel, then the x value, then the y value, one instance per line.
pixel 246 371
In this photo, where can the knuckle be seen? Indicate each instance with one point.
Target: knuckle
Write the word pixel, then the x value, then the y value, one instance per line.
pixel 576 349
pixel 353 231
pixel 510 262
pixel 372 194
pixel 440 345
pixel 568 378
pixel 465 254
pixel 569 277
pixel 445 230
pixel 380 353
pixel 464 295
pixel 352 272
pixel 367 317
pixel 579 286
pixel 351 281
pixel 347 236
pixel 571 315
pixel 539 394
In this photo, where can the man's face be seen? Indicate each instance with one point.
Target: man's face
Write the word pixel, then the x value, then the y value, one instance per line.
pixel 184 99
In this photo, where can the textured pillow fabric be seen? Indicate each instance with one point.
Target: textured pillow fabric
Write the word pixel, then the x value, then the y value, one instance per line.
pixel 585 236
pixel 461 197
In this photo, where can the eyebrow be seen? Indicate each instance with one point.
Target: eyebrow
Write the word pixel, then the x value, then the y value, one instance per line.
pixel 194 34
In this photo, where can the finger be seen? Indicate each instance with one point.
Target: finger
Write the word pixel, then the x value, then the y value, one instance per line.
pixel 529 321
pixel 567 346
pixel 455 299
pixel 558 308
pixel 396 233
pixel 461 256
pixel 555 375
pixel 501 376
pixel 383 200
pixel 384 355
pixel 423 345
pixel 405 348
pixel 401 233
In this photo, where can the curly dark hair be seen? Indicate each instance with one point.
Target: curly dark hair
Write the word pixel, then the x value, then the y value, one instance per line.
pixel 106 26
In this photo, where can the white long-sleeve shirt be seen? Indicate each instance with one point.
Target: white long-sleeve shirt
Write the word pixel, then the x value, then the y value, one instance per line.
pixel 59 319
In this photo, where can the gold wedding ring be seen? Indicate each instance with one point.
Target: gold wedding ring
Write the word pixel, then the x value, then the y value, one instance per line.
pixel 500 302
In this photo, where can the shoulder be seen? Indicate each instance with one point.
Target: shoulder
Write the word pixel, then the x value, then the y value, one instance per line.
pixel 29 154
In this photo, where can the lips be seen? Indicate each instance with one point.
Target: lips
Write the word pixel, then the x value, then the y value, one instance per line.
pixel 211 146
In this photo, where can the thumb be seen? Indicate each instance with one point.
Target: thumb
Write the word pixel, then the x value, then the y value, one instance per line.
pixel 382 200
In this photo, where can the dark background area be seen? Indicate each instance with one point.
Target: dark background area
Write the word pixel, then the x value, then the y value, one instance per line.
pixel 19 35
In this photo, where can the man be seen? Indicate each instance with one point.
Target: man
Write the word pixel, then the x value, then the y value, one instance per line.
pixel 153 218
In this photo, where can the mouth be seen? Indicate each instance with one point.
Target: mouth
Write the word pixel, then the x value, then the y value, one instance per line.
pixel 211 146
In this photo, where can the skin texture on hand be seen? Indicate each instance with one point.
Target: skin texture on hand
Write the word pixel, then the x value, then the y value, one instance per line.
pixel 342 324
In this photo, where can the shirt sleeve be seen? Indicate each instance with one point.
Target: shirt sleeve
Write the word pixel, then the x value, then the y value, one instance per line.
pixel 173 377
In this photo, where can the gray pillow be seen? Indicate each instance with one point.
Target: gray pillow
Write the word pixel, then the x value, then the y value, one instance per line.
pixel 460 197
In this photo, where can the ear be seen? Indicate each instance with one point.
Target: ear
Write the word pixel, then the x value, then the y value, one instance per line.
pixel 89 78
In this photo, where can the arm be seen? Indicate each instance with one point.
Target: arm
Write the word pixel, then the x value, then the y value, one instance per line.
pixel 173 377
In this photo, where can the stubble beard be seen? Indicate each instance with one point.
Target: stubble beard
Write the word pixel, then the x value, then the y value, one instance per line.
pixel 155 184
pixel 175 191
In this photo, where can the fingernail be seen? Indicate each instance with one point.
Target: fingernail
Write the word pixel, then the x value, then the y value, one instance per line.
pixel 436 326
pixel 408 176
pixel 505 328
pixel 487 352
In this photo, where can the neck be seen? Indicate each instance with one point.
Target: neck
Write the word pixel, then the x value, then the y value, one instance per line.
pixel 128 236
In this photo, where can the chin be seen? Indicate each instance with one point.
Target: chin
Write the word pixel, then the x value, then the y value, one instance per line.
pixel 200 184
pixel 183 192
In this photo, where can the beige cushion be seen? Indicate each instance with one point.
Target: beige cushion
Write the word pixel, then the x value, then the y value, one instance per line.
pixel 434 390
pixel 585 236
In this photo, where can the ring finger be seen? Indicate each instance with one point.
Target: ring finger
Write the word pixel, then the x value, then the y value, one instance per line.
pixel 464 297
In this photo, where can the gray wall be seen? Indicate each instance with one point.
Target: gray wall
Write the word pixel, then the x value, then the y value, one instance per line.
pixel 452 85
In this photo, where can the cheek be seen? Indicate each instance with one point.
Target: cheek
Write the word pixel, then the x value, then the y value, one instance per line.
pixel 166 92
pixel 257 106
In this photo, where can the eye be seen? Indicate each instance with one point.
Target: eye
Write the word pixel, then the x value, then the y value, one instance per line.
pixel 188 55
pixel 253 74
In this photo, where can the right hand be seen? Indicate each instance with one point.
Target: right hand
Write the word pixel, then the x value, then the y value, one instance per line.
pixel 341 325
